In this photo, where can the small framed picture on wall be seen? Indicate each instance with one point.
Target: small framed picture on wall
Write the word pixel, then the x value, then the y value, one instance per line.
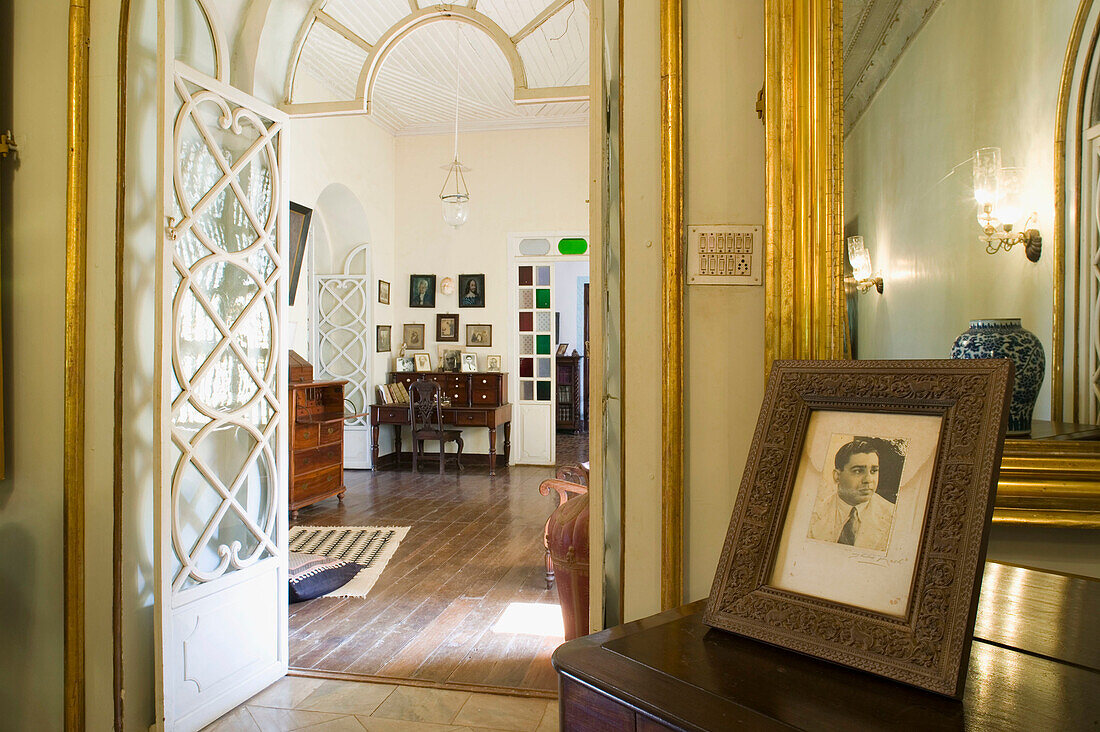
pixel 471 290
pixel 383 292
pixel 446 328
pixel 382 339
pixel 479 336
pixel 413 336
pixel 422 291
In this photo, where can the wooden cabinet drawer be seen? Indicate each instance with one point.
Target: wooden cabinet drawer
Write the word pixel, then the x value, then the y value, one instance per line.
pixel 457 393
pixel 305 435
pixel 321 457
pixel 331 432
pixel 393 415
pixel 486 398
pixel 462 418
pixel 322 483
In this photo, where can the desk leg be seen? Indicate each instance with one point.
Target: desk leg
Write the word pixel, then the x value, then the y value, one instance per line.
pixel 507 441
pixel 492 451
pixel 374 446
pixel 397 442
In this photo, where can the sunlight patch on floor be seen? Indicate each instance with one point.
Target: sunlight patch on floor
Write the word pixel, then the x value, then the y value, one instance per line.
pixel 531 618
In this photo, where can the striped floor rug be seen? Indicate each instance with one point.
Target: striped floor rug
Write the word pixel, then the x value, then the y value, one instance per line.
pixel 371 546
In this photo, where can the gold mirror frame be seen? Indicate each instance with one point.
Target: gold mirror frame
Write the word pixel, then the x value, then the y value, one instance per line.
pixel 1042 482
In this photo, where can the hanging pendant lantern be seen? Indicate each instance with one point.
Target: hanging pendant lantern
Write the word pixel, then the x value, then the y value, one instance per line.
pixel 454 194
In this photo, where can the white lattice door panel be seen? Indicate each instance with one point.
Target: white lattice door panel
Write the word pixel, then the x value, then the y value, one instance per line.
pixel 221 499
pixel 343 347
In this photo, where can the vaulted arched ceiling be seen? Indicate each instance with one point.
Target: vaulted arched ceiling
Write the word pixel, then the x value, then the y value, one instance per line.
pixel 523 63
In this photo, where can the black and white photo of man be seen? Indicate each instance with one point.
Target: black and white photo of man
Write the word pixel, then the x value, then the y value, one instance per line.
pixel 854 513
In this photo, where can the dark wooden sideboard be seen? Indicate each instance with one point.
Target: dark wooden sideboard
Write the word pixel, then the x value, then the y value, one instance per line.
pixel 469 400
pixel 1034 665
pixel 316 442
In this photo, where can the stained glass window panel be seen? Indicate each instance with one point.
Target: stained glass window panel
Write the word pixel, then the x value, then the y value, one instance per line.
pixel 542 298
pixel 527 390
pixel 526 322
pixel 542 276
pixel 572 246
pixel 527 299
pixel 542 322
pixel 544 391
pixel 543 344
pixel 526 345
pixel 526 367
pixel 525 276
pixel 544 368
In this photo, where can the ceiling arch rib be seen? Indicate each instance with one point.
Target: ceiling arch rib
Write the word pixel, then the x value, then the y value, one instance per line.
pixel 353 23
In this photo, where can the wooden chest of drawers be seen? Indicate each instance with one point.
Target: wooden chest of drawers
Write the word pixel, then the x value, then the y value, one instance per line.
pixel 463 390
pixel 316 442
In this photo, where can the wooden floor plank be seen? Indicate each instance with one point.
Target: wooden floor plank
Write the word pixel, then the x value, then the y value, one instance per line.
pixel 473 548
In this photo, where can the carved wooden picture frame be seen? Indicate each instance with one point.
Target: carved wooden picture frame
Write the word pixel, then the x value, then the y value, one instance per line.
pixel 818 559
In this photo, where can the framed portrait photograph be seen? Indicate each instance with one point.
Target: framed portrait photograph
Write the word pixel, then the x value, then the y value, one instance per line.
pixel 479 336
pixel 423 361
pixel 450 359
pixel 492 363
pixel 446 328
pixel 471 290
pixel 469 363
pixel 859 531
pixel 383 292
pixel 405 364
pixel 412 336
pixel 562 348
pixel 382 339
pixel 422 291
pixel 300 217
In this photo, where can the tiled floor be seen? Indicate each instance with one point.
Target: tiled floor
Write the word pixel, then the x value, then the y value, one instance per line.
pixel 296 702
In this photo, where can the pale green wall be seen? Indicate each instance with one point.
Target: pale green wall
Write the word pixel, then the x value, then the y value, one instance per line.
pixel 972 78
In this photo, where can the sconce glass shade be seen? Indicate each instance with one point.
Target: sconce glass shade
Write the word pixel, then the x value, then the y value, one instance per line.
pixel 859 257
pixel 987 168
pixel 1009 206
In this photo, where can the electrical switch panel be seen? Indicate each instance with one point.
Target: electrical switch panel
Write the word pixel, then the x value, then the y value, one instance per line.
pixel 725 255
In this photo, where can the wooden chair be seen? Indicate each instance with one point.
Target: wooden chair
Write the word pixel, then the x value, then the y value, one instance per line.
pixel 571 480
pixel 426 419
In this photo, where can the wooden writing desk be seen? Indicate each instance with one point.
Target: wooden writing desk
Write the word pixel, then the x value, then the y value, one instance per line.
pixel 1034 665
pixel 475 400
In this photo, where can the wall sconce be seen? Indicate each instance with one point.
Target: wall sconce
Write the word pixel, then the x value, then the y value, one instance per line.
pixel 1000 208
pixel 861 266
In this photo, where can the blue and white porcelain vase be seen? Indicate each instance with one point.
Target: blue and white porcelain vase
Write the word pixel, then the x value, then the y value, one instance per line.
pixel 1006 338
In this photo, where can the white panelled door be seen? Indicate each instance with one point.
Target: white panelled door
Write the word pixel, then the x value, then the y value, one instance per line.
pixel 342 331
pixel 220 510
pixel 534 387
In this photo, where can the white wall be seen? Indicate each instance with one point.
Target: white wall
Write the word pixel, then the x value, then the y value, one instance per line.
pixel 724 339
pixel 520 181
pixel 343 168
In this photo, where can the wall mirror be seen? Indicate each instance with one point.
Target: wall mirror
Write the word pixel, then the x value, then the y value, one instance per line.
pixel 918 86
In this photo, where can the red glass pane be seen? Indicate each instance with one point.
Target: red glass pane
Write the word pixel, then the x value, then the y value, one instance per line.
pixel 525 275
pixel 527 367
pixel 526 322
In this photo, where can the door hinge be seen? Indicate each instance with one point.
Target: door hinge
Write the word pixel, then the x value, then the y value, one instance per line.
pixel 7 144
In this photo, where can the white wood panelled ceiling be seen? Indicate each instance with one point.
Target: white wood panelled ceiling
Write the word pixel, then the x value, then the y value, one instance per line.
pixel 876 34
pixel 524 63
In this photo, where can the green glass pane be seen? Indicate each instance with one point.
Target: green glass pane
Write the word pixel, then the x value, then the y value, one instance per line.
pixel 573 246
pixel 543 344
pixel 544 391
pixel 542 298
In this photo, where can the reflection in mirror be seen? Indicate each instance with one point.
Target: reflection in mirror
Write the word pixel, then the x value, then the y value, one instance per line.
pixel 924 91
